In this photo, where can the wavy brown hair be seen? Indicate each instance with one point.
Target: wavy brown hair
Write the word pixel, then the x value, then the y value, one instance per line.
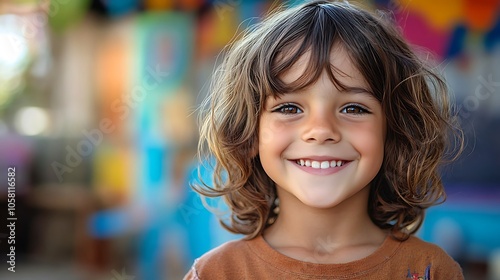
pixel 413 96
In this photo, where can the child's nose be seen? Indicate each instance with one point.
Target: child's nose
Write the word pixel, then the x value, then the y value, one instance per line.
pixel 321 128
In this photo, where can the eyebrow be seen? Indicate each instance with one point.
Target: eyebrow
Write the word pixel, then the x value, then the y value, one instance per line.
pixel 345 90
pixel 359 90
pixel 356 90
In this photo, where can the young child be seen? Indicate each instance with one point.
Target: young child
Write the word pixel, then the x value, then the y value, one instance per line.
pixel 327 132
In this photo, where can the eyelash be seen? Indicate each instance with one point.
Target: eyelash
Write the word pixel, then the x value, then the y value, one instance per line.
pixel 285 109
pixel 281 109
pixel 363 109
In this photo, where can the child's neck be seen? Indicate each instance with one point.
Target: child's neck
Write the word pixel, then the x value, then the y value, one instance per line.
pixel 337 235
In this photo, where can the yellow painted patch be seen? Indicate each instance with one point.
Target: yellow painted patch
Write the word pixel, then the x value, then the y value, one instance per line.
pixel 440 14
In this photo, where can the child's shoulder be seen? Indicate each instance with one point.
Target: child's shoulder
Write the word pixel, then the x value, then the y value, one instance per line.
pixel 230 250
pixel 225 260
pixel 415 245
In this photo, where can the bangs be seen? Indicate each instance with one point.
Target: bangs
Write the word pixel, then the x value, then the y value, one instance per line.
pixel 312 43
pixel 311 37
pixel 317 60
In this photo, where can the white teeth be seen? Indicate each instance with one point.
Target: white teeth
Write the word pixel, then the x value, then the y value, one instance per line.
pixel 325 164
pixel 319 164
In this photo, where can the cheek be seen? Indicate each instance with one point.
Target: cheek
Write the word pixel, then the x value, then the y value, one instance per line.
pixel 270 131
pixel 371 143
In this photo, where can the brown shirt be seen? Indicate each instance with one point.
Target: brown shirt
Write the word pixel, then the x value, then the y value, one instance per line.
pixel 255 259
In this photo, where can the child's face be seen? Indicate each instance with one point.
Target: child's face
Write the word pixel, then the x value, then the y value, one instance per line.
pixel 302 135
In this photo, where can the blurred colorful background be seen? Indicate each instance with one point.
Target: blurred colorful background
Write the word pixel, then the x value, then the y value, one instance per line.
pixel 98 106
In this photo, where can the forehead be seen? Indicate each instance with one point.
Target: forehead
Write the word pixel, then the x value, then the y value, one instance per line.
pixel 340 63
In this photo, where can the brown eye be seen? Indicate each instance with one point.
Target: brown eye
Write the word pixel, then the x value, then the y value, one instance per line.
pixel 288 109
pixel 354 109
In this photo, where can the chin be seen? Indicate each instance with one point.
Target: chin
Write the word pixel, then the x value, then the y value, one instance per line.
pixel 322 202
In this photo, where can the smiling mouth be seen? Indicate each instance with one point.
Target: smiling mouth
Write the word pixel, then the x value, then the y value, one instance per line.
pixel 320 164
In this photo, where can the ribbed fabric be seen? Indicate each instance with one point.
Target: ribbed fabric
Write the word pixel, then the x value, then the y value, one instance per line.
pixel 255 259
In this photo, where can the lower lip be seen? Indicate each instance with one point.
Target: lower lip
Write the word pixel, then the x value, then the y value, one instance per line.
pixel 319 171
